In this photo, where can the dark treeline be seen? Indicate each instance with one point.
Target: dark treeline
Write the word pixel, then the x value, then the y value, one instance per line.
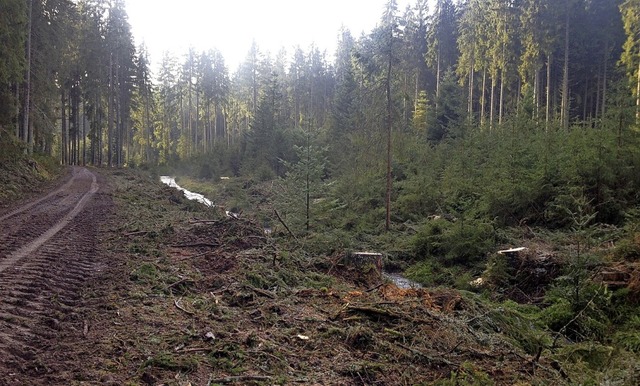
pixel 73 84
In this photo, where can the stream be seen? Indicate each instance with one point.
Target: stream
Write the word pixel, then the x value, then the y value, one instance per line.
pixel 171 181
pixel 396 278
pixel 400 281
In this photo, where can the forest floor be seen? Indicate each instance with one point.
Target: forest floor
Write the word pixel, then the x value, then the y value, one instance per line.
pixel 113 278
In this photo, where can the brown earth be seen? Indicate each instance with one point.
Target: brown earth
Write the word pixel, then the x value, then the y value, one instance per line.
pixel 48 254
pixel 110 279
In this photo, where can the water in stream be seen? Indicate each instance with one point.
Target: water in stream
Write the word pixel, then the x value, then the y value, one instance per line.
pixel 400 281
pixel 188 194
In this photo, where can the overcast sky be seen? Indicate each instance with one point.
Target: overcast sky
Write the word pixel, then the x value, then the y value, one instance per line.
pixel 231 25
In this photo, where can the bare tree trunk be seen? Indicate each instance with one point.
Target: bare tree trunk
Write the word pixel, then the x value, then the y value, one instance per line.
pixel 389 128
pixel 84 136
pixel 598 98
pixel 416 92
pixel 585 100
pixel 548 104
pixel 196 130
pixel 110 115
pixel 500 108
pixel 438 79
pixel 536 96
pixel 471 81
pixel 483 97
pixel 27 132
pixel 638 97
pixel 17 110
pixel 147 125
pixel 564 111
pixel 604 79
pixel 63 128
pixel 492 103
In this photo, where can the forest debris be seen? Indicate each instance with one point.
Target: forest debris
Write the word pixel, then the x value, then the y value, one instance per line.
pixel 198 221
pixel 284 224
pixel 137 233
pixel 261 292
pixel 434 360
pixel 193 245
pixel 238 378
pixel 374 311
pixel 178 306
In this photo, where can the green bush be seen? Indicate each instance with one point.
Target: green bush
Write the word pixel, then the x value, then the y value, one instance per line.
pixel 460 243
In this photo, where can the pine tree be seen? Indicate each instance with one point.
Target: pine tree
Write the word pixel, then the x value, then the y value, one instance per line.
pixel 631 57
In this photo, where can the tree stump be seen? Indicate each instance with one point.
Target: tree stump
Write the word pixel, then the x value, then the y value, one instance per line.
pixel 362 259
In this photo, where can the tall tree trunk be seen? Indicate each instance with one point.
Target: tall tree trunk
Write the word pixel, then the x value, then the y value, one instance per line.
pixel 147 125
pixel 548 104
pixel 110 114
pixel 598 98
pixel 389 128
pixel 638 97
pixel 604 79
pixel 492 103
pixel 471 84
pixel 17 85
pixel 437 79
pixel 307 182
pixel 197 119
pixel 416 92
pixel 63 128
pixel 483 97
pixel 84 136
pixel 99 138
pixel 564 111
pixel 585 101
pixel 536 96
pixel 501 106
pixel 27 133
pixel 189 116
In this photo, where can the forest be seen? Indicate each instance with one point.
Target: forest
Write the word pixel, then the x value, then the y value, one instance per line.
pixel 437 138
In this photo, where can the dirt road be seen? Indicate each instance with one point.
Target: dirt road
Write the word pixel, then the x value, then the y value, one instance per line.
pixel 47 257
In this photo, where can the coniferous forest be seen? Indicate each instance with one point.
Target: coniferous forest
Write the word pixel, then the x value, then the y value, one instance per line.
pixel 437 138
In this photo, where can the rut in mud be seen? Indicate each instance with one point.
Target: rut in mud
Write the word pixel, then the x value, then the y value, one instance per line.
pixel 47 255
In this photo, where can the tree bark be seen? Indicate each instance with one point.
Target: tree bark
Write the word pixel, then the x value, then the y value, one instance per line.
pixel 492 103
pixel 500 108
pixel 63 129
pixel 638 97
pixel 604 79
pixel 483 97
pixel 27 132
pixel 471 81
pixel 17 109
pixel 110 114
pixel 548 104
pixel 389 143
pixel 564 111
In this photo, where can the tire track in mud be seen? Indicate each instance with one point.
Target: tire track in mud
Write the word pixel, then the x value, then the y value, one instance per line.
pixel 48 254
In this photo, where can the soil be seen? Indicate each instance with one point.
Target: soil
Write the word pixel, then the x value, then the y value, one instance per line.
pixel 48 255
pixel 110 279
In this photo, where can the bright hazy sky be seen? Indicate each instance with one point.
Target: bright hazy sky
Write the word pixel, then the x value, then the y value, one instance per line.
pixel 231 25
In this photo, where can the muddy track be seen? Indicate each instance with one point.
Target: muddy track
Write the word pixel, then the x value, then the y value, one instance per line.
pixel 48 255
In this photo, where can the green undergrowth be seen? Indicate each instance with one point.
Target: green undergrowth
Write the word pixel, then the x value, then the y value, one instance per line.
pixel 590 336
pixel 22 174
